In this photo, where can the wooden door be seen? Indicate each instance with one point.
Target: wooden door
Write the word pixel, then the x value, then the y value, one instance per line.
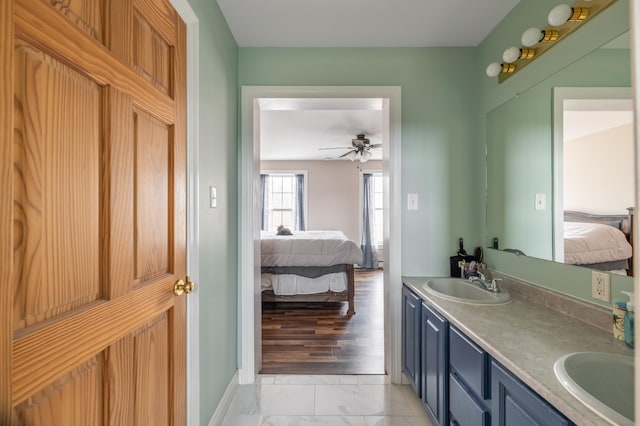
pixel 92 212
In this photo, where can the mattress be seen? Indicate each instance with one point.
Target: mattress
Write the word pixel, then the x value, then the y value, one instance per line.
pixel 591 243
pixel 308 248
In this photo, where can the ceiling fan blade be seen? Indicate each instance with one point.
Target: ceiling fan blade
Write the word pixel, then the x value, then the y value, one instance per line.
pixel 339 147
pixel 375 145
pixel 347 153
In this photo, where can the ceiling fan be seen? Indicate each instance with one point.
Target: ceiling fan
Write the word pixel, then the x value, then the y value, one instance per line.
pixel 360 149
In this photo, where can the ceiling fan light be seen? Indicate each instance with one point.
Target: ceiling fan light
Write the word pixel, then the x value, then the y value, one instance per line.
pixel 352 155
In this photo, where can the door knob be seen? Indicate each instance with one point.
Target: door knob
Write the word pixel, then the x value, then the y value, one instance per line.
pixel 181 287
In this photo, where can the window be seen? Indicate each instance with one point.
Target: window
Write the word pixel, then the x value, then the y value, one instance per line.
pixel 283 200
pixel 378 223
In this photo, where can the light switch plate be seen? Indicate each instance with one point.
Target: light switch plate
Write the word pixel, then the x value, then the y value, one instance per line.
pixel 541 202
pixel 412 201
pixel 213 198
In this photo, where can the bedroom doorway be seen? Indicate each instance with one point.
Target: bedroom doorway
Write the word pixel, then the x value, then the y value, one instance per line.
pixel 253 99
pixel 593 153
pixel 321 171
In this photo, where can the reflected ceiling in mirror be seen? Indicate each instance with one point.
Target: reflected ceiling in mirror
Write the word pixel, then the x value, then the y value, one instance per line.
pixel 520 153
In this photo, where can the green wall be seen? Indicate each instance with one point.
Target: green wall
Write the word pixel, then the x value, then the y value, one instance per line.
pixel 563 66
pixel 441 150
pixel 445 98
pixel 218 228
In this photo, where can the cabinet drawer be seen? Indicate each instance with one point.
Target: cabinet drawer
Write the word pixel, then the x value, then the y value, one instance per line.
pixel 514 403
pixel 470 362
pixel 463 407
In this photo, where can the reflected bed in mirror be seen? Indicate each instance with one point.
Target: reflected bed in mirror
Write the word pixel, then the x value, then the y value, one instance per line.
pixel 529 186
pixel 601 242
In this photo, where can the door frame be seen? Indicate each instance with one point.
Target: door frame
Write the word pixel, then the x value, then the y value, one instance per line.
pixel 249 306
pixel 191 21
pixel 560 94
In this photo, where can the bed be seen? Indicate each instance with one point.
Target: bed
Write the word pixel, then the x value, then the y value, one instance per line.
pixel 602 242
pixel 308 266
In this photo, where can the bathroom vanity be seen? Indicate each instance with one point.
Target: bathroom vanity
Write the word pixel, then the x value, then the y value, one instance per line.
pixel 493 364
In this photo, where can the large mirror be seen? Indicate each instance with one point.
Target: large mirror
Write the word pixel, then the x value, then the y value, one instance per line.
pixel 555 157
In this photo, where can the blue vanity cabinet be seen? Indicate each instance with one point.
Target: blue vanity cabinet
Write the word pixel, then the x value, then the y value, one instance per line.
pixel 513 403
pixel 411 305
pixel 469 381
pixel 435 365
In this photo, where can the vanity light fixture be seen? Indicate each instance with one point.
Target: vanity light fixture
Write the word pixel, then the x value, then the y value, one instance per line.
pixel 563 20
pixel 534 35
pixel 494 69
pixel 513 53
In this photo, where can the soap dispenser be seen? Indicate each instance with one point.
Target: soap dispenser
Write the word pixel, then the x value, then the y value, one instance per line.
pixel 629 318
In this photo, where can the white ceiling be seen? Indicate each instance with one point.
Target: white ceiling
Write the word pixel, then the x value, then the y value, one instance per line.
pixel 295 129
pixel 362 23
pixel 583 117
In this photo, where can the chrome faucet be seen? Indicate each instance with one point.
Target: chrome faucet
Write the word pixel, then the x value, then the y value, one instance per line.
pixel 489 286
pixel 480 278
pixel 493 285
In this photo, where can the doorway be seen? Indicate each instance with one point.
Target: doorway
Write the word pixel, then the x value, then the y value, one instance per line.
pixel 593 154
pixel 250 342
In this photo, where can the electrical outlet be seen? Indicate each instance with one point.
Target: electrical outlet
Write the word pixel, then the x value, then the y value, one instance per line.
pixel 600 286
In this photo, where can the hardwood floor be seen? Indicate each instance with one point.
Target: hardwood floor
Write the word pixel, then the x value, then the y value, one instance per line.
pixel 320 338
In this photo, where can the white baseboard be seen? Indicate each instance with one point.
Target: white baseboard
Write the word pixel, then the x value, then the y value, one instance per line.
pixel 225 402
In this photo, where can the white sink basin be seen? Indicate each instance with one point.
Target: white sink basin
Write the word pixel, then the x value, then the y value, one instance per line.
pixel 601 381
pixel 464 291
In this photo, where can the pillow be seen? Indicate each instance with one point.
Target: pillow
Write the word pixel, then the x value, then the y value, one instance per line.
pixel 283 230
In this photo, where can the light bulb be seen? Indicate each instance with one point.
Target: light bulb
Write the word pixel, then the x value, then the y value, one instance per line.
pixel 511 55
pixel 559 15
pixel 494 69
pixel 531 37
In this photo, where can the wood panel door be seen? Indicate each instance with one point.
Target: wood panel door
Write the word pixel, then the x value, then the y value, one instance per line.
pixel 92 213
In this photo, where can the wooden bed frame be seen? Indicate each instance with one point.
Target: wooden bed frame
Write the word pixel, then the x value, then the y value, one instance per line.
pixel 622 222
pixel 329 296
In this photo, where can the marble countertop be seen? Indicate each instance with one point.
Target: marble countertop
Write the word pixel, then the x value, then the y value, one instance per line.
pixel 527 338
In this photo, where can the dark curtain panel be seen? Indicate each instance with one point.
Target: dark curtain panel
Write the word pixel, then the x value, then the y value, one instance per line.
pixel 369 258
pixel 300 203
pixel 263 195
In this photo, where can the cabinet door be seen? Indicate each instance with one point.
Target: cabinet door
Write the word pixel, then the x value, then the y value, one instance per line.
pixel 411 337
pixel 435 365
pixel 513 403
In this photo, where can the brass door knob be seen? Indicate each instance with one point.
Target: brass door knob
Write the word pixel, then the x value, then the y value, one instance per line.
pixel 181 287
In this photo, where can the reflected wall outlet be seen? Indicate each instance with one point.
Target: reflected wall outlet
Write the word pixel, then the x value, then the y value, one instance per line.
pixel 600 286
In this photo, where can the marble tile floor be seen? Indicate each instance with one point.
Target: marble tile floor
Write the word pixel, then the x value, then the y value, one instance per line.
pixel 302 400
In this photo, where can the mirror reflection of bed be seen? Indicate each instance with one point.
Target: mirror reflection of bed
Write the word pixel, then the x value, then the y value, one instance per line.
pixel 601 242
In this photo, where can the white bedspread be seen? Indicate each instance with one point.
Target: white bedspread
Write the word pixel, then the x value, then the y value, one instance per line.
pixel 587 243
pixel 308 248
